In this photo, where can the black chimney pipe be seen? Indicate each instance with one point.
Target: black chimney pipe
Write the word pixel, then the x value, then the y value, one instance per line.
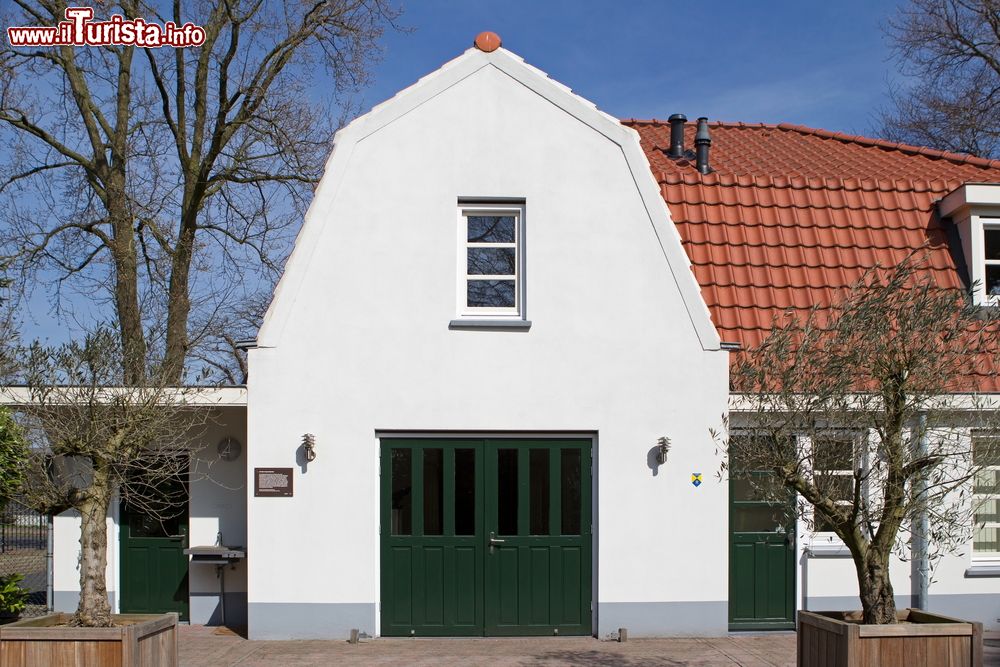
pixel 677 135
pixel 702 143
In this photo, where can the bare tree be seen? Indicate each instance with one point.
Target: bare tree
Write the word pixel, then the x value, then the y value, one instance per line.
pixel 866 413
pixel 92 435
pixel 169 180
pixel 951 50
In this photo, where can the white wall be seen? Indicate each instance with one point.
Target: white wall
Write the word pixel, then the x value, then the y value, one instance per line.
pixel 363 345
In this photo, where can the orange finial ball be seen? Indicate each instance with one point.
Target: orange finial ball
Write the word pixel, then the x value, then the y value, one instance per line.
pixel 487 41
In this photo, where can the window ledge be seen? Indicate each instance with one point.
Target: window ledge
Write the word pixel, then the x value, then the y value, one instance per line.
pixel 471 323
pixel 984 570
pixel 828 550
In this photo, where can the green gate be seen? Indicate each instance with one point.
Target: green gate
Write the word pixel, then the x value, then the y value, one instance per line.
pixel 486 537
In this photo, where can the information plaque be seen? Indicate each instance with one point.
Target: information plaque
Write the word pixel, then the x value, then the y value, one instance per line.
pixel 273 482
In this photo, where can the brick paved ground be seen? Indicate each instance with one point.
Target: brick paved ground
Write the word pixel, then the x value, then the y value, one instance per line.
pixel 202 647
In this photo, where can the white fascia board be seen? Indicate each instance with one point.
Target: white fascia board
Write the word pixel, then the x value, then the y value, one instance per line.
pixel 219 397
pixel 436 83
pixel 746 403
pixel 970 195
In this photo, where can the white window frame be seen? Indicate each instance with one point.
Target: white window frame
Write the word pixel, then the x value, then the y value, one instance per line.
pixel 465 311
pixel 859 447
pixel 981 556
pixel 989 224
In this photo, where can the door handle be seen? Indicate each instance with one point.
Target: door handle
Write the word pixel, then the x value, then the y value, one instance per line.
pixel 494 540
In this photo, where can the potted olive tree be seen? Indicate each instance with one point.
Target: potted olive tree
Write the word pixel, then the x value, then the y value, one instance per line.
pixel 94 439
pixel 894 362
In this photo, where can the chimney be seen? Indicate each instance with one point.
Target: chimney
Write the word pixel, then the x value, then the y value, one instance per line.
pixel 677 135
pixel 702 142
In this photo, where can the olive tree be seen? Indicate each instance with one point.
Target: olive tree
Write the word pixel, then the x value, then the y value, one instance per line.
pixel 866 412
pixel 95 438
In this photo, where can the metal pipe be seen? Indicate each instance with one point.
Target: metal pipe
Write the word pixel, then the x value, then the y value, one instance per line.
pixel 50 573
pixel 702 144
pixel 920 565
pixel 677 122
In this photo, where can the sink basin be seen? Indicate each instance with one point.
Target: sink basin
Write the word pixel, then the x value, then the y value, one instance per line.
pixel 215 554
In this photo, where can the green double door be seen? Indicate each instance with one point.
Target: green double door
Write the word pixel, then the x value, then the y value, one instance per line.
pixel 486 537
pixel 761 555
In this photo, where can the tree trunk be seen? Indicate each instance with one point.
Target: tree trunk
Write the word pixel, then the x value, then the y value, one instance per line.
pixel 878 604
pixel 94 609
pixel 126 276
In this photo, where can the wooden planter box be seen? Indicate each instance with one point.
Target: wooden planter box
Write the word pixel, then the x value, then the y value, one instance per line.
pixel 839 639
pixel 149 640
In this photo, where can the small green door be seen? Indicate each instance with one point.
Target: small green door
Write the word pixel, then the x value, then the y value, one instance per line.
pixel 154 569
pixel 761 556
pixel 486 537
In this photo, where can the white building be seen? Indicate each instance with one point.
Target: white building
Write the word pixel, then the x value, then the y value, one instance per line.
pixel 500 301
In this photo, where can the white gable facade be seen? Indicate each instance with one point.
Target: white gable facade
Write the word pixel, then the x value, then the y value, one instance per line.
pixel 366 343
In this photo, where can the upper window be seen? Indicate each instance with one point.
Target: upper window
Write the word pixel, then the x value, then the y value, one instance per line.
pixel 991 274
pixel 986 496
pixel 491 261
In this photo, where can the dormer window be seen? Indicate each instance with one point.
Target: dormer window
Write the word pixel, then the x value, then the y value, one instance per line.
pixel 975 210
pixel 991 262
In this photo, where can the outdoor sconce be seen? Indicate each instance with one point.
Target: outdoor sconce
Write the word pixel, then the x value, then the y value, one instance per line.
pixel 309 446
pixel 662 449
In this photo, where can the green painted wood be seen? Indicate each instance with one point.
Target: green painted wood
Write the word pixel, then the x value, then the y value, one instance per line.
pixel 538 584
pixel 154 568
pixel 761 562
pixel 457 584
pixel 431 584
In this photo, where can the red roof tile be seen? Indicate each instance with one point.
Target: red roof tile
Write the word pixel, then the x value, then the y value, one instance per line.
pixel 791 214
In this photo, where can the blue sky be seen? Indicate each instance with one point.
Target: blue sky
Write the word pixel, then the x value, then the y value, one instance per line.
pixel 820 64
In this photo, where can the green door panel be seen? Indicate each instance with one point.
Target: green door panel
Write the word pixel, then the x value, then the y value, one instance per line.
pixel 154 569
pixel 761 558
pixel 538 573
pixel 485 537
pixel 431 535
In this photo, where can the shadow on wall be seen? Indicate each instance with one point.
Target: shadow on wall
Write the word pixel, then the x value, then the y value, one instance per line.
pixel 652 460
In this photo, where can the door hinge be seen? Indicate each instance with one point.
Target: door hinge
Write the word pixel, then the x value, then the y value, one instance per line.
pixel 591 606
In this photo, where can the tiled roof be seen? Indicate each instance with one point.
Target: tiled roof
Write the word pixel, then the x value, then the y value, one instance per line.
pixel 791 215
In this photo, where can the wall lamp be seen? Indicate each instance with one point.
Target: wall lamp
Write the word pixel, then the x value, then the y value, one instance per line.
pixel 662 449
pixel 309 446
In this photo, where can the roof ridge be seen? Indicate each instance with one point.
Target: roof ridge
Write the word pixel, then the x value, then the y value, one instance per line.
pixel 910 149
pixel 716 123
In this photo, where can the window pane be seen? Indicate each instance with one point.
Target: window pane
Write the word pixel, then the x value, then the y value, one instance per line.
pixel 992 238
pixel 492 262
pixel 988 511
pixel 837 487
pixel 986 451
pixel 992 279
pixel 570 492
pixel 987 481
pixel 757 519
pixel 402 499
pixel 507 491
pixel 986 539
pixel 761 486
pixel 491 228
pixel 465 492
pixel 834 453
pixel 433 491
pixel 491 294
pixel 539 465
